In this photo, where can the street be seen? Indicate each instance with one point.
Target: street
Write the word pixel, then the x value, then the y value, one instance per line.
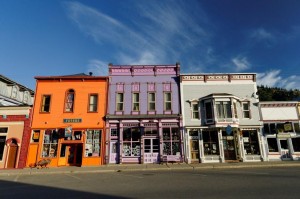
pixel 203 183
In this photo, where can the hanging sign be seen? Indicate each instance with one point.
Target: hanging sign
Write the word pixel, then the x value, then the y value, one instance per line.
pixel 228 130
pixel 68 131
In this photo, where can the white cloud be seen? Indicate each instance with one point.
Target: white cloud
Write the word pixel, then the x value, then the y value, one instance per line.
pixel 273 78
pixel 157 32
pixel 97 67
pixel 261 34
pixel 241 63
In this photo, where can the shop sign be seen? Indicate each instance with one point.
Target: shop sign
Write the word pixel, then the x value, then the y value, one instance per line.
pixel 287 127
pixel 68 131
pixel 194 137
pixel 74 120
pixel 283 135
pixel 36 135
pixel 228 130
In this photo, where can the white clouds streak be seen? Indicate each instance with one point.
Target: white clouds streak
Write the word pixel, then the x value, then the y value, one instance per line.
pixel 241 63
pixel 273 78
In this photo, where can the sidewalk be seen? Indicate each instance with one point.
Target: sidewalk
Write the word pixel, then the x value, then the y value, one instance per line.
pixel 146 167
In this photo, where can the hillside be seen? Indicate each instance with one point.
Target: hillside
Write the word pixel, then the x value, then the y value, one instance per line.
pixel 277 94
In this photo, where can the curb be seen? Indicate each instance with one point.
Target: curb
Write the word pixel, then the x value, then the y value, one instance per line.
pixel 127 168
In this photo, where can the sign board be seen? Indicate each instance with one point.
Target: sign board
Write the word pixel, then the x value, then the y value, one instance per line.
pixel 74 120
pixel 68 131
pixel 228 130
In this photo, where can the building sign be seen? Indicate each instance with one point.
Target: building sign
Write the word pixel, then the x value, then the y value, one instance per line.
pixel 228 130
pixel 283 135
pixel 287 127
pixel 74 120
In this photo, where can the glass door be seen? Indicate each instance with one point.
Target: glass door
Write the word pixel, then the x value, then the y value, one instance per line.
pixel 114 155
pixel 151 150
pixel 284 149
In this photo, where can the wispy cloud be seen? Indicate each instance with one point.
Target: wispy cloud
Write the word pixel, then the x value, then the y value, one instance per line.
pixel 156 34
pixel 274 78
pixel 240 63
pixel 260 35
pixel 98 67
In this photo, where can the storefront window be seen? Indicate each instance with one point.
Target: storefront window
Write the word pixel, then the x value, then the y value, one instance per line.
pixel 171 141
pixel 50 143
pixel 296 144
pixel 210 142
pixel 131 142
pixel 93 143
pixel 251 146
pixel 272 144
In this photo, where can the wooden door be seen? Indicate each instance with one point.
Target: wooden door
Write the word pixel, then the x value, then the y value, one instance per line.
pixel 12 157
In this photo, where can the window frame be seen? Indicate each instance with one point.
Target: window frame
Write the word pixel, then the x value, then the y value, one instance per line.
pixel 151 102
pixel 93 104
pixel 223 108
pixel 172 140
pixel 43 103
pixel 195 112
pixel 246 111
pixel 119 101
pixel 167 102
pixel 93 142
pixel 51 142
pixel 131 142
pixel 135 101
pixel 69 103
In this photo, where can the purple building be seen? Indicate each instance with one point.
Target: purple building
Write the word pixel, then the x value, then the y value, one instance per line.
pixel 143 119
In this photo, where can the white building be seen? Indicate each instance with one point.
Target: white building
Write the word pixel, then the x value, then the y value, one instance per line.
pixel 281 129
pixel 221 118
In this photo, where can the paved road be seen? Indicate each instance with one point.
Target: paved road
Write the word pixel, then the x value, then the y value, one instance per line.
pixel 239 183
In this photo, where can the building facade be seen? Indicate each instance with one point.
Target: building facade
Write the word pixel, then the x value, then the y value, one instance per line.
pixel 143 120
pixel 68 124
pixel 281 129
pixel 15 114
pixel 221 118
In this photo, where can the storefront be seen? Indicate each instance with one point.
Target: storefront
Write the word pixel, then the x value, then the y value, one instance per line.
pixel 146 142
pixel 67 146
pixel 212 145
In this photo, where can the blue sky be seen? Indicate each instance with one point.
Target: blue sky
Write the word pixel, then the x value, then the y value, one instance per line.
pixel 53 37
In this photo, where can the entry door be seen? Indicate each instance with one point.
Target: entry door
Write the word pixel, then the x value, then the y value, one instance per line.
pixel 114 155
pixel 284 150
pixel 229 148
pixel 67 155
pixel 194 147
pixel 13 152
pixel 151 150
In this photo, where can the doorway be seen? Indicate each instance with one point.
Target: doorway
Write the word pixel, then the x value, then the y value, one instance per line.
pixel 151 150
pixel 284 149
pixel 194 147
pixel 13 153
pixel 229 148
pixel 70 155
pixel 114 152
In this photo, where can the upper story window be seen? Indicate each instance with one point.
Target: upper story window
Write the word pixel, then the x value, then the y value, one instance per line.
pixel 135 101
pixel 120 101
pixel 246 109
pixel 93 103
pixel 208 111
pixel 167 101
pixel 45 105
pixel 223 109
pixel 151 101
pixel 69 101
pixel 195 110
pixel 3 132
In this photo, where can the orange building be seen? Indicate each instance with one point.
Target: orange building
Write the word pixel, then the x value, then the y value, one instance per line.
pixel 68 124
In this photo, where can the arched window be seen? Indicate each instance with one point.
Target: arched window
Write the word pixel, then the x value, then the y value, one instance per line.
pixel 69 101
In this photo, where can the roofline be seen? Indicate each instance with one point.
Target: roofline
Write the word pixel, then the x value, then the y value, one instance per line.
pixel 70 77
pixel 7 80
pixel 217 74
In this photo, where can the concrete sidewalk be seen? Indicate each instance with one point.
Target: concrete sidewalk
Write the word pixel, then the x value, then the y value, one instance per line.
pixel 146 167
